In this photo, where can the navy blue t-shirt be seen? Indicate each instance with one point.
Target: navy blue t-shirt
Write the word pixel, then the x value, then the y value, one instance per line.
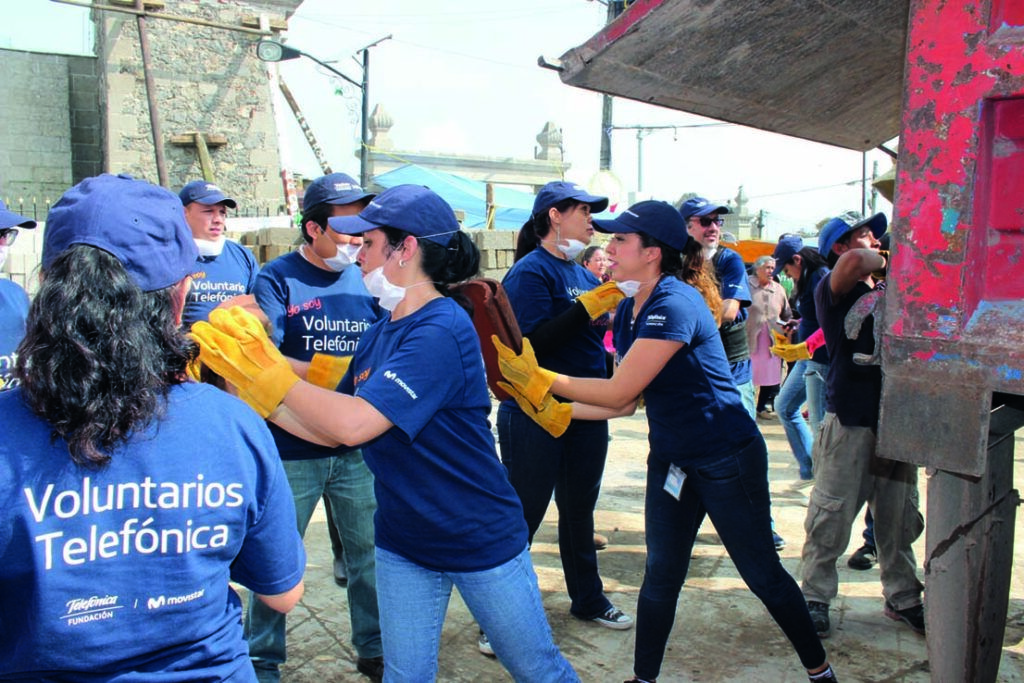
pixel 807 309
pixel 541 286
pixel 694 410
pixel 444 500
pixel 732 281
pixel 13 312
pixel 123 571
pixel 853 392
pixel 312 310
pixel 218 278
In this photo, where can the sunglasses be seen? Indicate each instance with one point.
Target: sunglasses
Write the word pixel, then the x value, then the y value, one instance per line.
pixel 705 221
pixel 8 236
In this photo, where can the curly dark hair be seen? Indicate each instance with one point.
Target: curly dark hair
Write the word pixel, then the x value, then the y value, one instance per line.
pixel 99 354
pixel 691 267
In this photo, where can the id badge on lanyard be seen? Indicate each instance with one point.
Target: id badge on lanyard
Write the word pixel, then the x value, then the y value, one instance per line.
pixel 674 481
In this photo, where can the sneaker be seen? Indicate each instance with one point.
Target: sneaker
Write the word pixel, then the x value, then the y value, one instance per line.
pixel 767 415
pixel 826 676
pixel 615 619
pixel 779 541
pixel 819 617
pixel 484 645
pixel 371 667
pixel 863 559
pixel 340 575
pixel 600 541
pixel 911 616
pixel 802 483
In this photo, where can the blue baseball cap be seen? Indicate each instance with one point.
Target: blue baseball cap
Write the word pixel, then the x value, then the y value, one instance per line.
pixel 140 224
pixel 334 188
pixel 847 222
pixel 205 193
pixel 415 209
pixel 659 220
pixel 698 206
pixel 552 193
pixel 9 219
pixel 788 246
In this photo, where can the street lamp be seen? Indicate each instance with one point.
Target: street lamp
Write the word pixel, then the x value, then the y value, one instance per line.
pixel 273 51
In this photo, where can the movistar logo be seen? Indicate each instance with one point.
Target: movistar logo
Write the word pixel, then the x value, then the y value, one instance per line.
pixel 390 374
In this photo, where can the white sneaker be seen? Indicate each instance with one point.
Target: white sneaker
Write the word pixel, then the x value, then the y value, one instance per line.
pixel 484 645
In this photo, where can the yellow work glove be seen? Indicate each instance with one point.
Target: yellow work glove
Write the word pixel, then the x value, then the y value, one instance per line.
pixel 553 416
pixel 194 370
pixel 235 346
pixel 326 370
pixel 789 352
pixel 601 299
pixel 522 371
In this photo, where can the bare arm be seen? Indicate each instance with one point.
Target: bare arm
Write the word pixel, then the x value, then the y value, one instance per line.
pixel 730 309
pixel 585 411
pixel 643 361
pixel 283 602
pixel 854 266
pixel 329 418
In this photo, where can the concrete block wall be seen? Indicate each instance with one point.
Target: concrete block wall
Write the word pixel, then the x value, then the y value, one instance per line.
pixel 35 129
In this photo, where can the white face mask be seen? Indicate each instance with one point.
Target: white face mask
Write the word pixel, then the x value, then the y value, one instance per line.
pixel 629 287
pixel 345 257
pixel 5 249
pixel 377 285
pixel 210 247
pixel 572 249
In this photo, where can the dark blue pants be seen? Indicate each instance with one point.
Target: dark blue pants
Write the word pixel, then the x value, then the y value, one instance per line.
pixel 732 491
pixel 571 467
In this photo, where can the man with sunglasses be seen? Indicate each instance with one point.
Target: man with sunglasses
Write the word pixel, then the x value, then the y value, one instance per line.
pixel 13 299
pixel 704 223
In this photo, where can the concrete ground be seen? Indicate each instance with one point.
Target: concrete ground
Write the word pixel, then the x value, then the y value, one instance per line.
pixel 722 632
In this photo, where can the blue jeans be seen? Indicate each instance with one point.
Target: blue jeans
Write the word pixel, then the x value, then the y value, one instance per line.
pixel 733 492
pixel 348 483
pixel 805 383
pixel 571 466
pixel 747 396
pixel 504 600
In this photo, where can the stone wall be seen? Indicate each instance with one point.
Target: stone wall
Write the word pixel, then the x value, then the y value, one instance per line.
pixel 207 80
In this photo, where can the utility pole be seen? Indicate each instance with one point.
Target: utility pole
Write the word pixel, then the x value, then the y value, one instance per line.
pixel 615 8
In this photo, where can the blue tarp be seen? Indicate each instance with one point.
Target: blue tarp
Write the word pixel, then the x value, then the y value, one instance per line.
pixel 469 196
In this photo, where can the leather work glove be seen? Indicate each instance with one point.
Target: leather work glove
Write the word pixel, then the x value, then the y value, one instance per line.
pixel 883 271
pixel 522 371
pixel 326 370
pixel 789 352
pixel 553 416
pixel 235 346
pixel 601 299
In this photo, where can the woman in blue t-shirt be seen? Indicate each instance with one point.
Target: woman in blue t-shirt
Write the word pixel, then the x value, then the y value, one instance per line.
pixel 415 395
pixel 707 456
pixel 561 307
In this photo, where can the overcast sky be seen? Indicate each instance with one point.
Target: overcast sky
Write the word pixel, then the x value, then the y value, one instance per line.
pixel 462 76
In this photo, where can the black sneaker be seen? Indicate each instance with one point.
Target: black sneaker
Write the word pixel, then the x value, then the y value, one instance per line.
pixel 819 617
pixel 863 559
pixel 484 645
pixel 371 667
pixel 911 616
pixel 615 619
pixel 779 541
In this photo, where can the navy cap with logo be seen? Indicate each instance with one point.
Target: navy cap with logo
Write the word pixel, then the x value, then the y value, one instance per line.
pixel 334 188
pixel 205 193
pixel 140 224
pixel 416 209
pixel 554 192
pixel 788 246
pixel 659 220
pixel 9 219
pixel 698 206
pixel 845 223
